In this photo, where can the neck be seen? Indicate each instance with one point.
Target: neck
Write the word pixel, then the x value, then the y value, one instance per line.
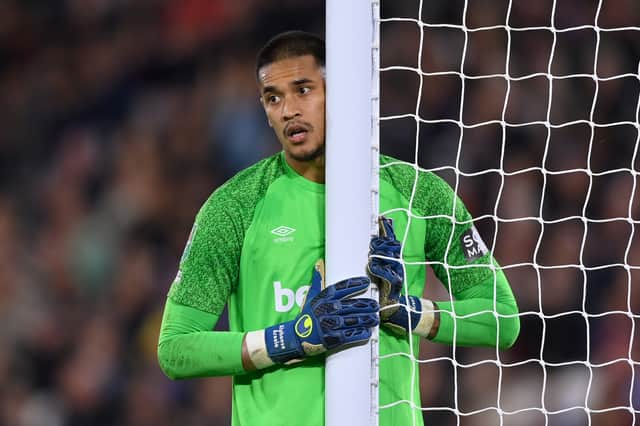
pixel 312 169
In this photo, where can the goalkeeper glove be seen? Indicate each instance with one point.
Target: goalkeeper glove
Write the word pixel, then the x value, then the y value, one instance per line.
pixel 330 319
pixel 386 272
pixel 396 309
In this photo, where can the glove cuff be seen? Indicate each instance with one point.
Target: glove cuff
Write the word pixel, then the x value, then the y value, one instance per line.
pixel 421 312
pixel 257 349
pixel 282 344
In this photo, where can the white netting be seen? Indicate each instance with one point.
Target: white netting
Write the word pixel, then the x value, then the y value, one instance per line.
pixel 530 111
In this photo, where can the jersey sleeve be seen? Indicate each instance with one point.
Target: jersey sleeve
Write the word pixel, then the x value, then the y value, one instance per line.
pixel 485 313
pixel 188 348
pixel 459 257
pixel 209 266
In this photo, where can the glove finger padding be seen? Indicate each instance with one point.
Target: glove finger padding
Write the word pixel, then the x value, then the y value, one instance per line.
pixel 389 270
pixel 345 307
pixel 338 315
pixel 334 322
pixel 385 246
pixel 356 306
pixel 345 313
pixel 386 273
pixel 348 336
pixel 346 288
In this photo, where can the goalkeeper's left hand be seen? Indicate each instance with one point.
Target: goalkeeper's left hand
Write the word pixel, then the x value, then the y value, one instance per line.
pixel 386 271
pixel 400 313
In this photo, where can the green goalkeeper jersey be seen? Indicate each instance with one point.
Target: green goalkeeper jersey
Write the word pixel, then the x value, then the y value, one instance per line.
pixel 253 247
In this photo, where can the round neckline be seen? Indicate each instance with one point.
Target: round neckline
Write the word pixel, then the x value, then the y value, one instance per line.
pixel 298 179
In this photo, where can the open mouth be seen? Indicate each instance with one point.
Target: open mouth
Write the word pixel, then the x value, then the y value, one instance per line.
pixel 296 133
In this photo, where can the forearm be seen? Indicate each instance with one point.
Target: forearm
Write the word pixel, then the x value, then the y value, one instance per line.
pixel 474 319
pixel 188 348
pixel 475 323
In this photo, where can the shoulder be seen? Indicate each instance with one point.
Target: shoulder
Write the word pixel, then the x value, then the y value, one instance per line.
pixel 239 195
pixel 432 196
pixel 403 176
pixel 250 184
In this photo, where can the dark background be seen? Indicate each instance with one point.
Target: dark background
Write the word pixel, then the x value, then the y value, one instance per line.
pixel 118 118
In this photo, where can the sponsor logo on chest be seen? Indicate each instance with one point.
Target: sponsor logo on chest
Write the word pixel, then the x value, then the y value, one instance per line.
pixel 286 298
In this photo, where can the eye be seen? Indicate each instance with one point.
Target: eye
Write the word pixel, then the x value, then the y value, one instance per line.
pixel 273 99
pixel 304 90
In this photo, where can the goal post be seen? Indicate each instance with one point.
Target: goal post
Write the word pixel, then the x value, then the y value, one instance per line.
pixel 351 193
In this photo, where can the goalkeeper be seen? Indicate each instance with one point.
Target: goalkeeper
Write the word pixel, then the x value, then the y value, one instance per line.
pixel 255 245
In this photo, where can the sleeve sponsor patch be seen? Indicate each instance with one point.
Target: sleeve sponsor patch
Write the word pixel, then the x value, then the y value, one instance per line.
pixel 472 245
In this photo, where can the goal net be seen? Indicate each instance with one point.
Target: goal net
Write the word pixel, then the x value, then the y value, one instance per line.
pixel 529 109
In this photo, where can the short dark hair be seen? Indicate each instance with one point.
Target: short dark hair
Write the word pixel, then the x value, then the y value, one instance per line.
pixel 291 44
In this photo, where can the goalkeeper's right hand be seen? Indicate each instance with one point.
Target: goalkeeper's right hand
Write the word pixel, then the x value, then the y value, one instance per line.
pixel 330 319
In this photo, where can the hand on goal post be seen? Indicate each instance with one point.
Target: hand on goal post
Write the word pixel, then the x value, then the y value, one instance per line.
pixel 400 313
pixel 331 318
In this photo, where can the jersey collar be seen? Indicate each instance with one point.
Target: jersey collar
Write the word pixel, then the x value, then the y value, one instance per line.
pixel 300 180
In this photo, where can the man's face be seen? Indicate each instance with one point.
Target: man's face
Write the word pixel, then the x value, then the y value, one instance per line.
pixel 292 92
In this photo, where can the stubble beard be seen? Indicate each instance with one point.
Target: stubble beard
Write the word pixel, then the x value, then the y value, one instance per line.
pixel 309 156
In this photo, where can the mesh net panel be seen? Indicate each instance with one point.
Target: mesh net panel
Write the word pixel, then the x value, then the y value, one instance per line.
pixel 530 111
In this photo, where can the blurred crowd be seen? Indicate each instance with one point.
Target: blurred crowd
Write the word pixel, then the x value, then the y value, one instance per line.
pixel 120 117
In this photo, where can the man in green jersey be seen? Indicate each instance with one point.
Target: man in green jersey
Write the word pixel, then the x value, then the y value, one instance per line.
pixel 254 245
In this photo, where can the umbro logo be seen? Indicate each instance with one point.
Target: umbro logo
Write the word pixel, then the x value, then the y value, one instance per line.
pixel 283 233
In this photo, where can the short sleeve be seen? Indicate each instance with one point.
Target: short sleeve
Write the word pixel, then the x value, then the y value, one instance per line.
pixel 210 262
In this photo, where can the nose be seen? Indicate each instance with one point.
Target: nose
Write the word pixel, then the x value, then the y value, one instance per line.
pixel 290 108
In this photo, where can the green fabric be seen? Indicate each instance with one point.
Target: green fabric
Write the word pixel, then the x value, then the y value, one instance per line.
pixel 210 265
pixel 188 348
pixel 253 247
pixel 446 219
pixel 473 329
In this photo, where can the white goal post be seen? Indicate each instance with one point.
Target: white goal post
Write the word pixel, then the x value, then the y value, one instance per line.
pixel 351 194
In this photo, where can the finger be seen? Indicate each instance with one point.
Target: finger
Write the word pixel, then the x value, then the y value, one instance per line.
pixel 385 270
pixel 348 336
pixel 357 306
pixel 317 281
pixel 360 320
pixel 347 288
pixel 342 322
pixel 319 270
pixel 356 335
pixel 385 227
pixel 385 247
pixel 330 308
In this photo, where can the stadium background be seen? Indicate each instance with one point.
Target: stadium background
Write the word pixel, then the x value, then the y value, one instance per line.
pixel 120 117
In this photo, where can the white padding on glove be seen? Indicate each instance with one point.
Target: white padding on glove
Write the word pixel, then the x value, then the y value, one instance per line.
pixel 426 319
